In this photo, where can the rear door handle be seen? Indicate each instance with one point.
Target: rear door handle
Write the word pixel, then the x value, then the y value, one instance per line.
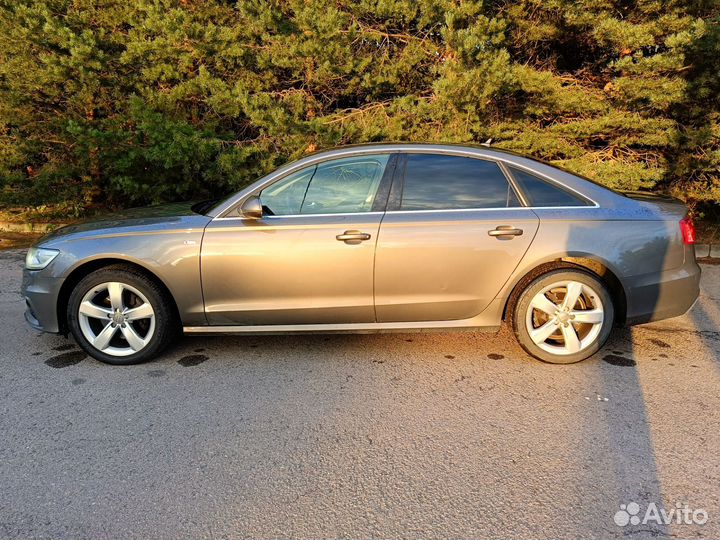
pixel 353 237
pixel 505 230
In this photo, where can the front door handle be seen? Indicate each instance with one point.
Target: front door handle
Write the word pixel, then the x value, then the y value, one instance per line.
pixel 505 230
pixel 353 237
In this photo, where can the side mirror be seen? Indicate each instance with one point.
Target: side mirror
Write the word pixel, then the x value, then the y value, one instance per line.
pixel 251 208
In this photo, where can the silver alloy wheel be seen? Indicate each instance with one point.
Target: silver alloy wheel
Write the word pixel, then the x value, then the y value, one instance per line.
pixel 565 317
pixel 116 318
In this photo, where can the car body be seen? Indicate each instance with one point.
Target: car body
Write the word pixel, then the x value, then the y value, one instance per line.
pixel 425 249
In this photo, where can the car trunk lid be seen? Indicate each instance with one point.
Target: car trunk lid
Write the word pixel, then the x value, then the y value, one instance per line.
pixel 663 203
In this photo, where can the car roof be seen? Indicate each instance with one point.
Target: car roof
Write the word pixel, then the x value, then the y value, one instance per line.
pixel 389 146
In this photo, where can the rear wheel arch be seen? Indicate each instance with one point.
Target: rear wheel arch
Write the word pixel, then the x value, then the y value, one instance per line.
pixel 593 266
pixel 86 268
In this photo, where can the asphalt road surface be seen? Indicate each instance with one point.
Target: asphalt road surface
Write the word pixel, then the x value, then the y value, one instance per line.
pixel 438 435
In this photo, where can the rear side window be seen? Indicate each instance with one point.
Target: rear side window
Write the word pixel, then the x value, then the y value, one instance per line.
pixel 436 182
pixel 540 193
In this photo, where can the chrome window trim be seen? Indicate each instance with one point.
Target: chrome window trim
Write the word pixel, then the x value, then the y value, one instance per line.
pixel 301 216
pixel 501 160
pixel 508 208
pixel 454 210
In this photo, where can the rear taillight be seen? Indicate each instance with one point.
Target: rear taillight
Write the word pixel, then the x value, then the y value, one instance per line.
pixel 687 228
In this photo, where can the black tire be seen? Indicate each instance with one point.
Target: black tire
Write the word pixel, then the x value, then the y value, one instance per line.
pixel 522 306
pixel 166 325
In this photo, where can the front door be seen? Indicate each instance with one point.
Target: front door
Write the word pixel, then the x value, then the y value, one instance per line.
pixel 309 260
pixel 454 235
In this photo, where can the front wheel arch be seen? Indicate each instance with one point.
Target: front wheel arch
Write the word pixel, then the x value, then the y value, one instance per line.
pixel 78 273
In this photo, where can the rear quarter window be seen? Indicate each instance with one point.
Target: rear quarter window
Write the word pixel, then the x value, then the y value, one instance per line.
pixel 541 193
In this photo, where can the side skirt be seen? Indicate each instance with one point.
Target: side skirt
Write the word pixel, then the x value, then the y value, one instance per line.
pixel 356 328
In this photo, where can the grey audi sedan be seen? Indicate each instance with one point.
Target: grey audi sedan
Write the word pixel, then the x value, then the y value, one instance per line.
pixel 373 238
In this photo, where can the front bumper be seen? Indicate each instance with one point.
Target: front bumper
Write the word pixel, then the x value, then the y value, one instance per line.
pixel 662 295
pixel 41 294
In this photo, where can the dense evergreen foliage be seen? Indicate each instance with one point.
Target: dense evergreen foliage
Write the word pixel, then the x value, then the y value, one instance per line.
pixel 138 101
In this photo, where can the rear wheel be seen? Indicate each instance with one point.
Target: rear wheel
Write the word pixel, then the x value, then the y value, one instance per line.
pixel 120 316
pixel 563 316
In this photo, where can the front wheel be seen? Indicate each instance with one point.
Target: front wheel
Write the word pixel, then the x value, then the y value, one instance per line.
pixel 563 316
pixel 120 316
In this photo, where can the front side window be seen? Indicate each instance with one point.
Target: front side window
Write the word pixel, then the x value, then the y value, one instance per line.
pixel 540 193
pixel 439 182
pixel 285 197
pixel 345 185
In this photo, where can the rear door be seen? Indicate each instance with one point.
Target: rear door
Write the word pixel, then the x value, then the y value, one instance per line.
pixel 453 233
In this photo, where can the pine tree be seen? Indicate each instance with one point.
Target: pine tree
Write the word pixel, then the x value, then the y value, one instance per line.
pixel 120 103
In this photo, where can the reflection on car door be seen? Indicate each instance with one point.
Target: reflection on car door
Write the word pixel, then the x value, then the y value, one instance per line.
pixel 309 260
pixel 454 232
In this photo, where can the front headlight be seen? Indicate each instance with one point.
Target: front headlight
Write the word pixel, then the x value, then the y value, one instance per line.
pixel 39 258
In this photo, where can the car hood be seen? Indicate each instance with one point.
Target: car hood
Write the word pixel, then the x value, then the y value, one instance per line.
pixel 149 219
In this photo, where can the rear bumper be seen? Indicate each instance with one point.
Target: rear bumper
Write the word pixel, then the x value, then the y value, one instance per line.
pixel 41 294
pixel 662 295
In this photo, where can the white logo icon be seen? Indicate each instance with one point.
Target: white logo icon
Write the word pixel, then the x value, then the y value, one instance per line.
pixel 627 514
